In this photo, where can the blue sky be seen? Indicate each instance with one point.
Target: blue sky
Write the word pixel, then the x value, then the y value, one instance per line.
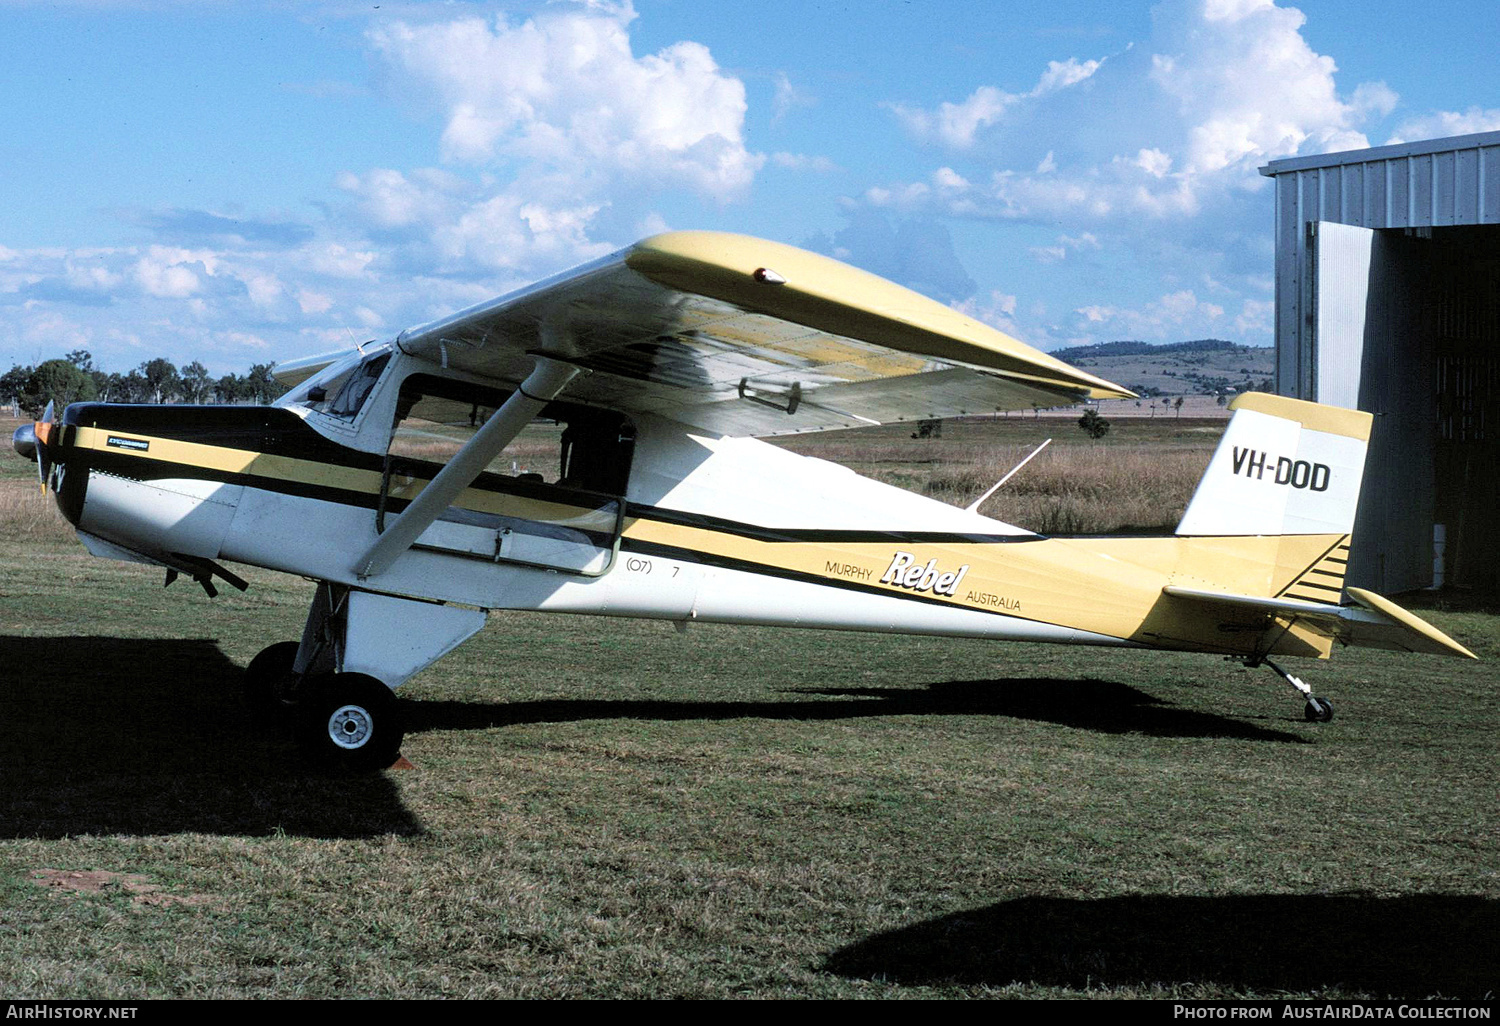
pixel 238 183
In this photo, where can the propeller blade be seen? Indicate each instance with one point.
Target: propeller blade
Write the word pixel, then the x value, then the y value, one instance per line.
pixel 42 431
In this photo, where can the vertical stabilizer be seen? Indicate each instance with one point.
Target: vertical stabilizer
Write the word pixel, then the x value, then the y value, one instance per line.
pixel 1284 466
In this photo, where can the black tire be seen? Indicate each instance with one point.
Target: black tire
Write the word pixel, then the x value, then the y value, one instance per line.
pixel 1317 710
pixel 351 721
pixel 270 686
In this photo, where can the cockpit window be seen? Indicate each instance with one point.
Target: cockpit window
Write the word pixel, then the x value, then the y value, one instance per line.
pixel 356 389
pixel 552 499
pixel 569 446
pixel 342 388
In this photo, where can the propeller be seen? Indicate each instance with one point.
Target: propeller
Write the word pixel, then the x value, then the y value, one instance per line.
pixel 28 443
pixel 42 432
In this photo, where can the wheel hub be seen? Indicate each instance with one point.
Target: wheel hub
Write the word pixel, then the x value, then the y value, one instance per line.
pixel 350 726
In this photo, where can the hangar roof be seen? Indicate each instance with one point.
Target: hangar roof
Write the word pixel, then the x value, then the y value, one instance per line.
pixel 1409 185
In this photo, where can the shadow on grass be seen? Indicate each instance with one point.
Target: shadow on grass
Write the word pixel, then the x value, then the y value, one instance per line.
pixel 1405 947
pixel 1095 705
pixel 125 736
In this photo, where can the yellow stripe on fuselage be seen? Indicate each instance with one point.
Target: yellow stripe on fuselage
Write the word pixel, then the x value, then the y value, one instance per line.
pixel 311 472
pixel 1108 586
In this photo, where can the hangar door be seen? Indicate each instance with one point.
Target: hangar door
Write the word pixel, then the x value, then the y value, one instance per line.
pixel 1406 324
pixel 1368 353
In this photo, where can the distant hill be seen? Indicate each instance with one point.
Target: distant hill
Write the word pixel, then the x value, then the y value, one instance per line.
pixel 1204 366
pixel 1130 347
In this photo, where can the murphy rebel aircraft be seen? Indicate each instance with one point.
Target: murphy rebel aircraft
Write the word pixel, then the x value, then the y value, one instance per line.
pixel 385 475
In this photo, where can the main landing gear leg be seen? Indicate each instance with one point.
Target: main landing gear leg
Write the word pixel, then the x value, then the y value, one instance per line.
pixel 1317 710
pixel 337 683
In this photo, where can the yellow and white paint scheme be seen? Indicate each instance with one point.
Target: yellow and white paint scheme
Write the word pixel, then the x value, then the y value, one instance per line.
pixel 676 355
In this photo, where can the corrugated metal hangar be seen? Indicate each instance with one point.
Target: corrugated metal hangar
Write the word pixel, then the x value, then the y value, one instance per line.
pixel 1388 300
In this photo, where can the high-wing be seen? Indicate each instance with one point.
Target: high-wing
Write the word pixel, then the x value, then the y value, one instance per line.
pixel 741 336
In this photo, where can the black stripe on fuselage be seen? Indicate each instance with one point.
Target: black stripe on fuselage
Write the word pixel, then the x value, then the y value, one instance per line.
pixel 271 430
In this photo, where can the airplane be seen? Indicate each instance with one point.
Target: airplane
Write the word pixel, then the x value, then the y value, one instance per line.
pixel 392 476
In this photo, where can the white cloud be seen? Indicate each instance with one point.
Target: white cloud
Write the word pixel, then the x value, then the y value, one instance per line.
pixel 947 178
pixel 564 91
pixel 1256 317
pixel 335 259
pixel 1061 74
pixel 1248 86
pixel 389 199
pixel 998 310
pixel 507 233
pixel 264 288
pixel 313 302
pixel 1159 144
pixel 956 124
pixel 1373 99
pixel 1064 245
pixel 1440 124
pixel 91 275
pixel 1221 87
pixel 1174 315
pixel 168 274
pixel 54 331
pixel 1154 162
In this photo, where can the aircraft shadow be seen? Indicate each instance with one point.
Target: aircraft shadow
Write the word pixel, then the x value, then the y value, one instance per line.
pixel 1096 705
pixel 124 736
pixel 1413 946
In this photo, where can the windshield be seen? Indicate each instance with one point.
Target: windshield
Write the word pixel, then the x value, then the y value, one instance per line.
pixel 341 388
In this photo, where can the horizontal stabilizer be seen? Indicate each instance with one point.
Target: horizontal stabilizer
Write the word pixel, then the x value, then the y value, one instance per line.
pixel 1387 625
pixel 1374 622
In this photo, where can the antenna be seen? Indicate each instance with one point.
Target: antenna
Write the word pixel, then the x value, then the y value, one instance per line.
pixel 974 506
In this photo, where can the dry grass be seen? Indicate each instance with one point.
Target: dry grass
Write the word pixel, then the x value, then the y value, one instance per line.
pixel 1078 489
pixel 28 515
pixel 1139 479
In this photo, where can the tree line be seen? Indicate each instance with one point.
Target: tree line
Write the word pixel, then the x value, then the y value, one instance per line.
pixel 74 379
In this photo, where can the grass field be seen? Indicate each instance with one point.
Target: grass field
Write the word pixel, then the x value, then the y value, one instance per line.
pixel 614 809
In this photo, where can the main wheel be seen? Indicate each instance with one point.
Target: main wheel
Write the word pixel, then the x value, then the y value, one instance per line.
pixel 350 720
pixel 1317 710
pixel 270 685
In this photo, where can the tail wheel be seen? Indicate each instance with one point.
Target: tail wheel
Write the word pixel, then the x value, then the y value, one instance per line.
pixel 271 686
pixel 1317 710
pixel 350 720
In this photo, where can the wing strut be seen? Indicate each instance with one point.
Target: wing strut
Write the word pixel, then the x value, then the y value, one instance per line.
pixel 548 377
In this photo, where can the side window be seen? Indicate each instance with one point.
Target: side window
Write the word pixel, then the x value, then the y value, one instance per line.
pixel 345 391
pixel 552 498
pixel 353 393
pixel 574 447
